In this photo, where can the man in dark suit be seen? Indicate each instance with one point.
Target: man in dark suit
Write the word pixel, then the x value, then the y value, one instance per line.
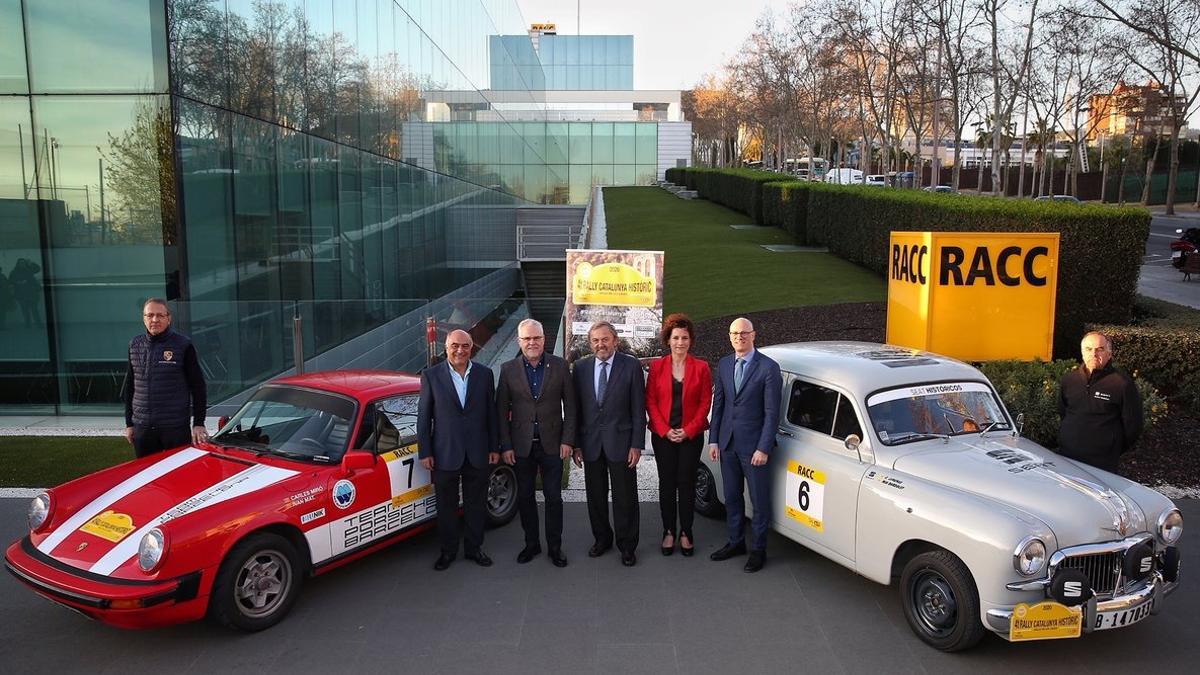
pixel 745 416
pixel 611 393
pixel 535 400
pixel 457 440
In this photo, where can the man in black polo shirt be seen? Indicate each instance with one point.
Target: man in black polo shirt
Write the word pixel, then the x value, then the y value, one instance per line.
pixel 164 391
pixel 1100 407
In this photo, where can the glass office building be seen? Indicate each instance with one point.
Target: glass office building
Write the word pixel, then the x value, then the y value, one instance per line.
pixel 248 160
pixel 564 62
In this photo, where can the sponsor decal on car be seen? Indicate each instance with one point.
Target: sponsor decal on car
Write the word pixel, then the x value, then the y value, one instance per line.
pixel 1047 620
pixel 343 494
pixel 804 500
pixel 884 479
pixel 109 525
pixel 309 517
pixel 303 497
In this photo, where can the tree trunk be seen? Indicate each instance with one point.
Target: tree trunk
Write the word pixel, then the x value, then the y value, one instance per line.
pixel 1173 175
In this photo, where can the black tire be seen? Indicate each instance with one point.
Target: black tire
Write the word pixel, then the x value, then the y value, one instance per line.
pixel 257 584
pixel 940 601
pixel 501 496
pixel 707 502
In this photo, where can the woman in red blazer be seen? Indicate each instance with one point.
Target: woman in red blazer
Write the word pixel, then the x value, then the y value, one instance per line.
pixel 678 396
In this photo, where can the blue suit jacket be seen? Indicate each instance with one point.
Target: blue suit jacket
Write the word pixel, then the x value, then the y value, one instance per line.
pixel 746 421
pixel 620 423
pixel 450 432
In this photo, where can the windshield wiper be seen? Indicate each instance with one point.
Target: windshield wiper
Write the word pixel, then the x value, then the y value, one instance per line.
pixel 992 424
pixel 917 436
pixel 300 456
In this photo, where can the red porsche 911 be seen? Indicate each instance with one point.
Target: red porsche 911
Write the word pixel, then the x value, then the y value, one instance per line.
pixel 312 472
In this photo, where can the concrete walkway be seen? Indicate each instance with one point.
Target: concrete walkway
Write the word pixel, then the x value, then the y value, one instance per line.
pixel 1159 280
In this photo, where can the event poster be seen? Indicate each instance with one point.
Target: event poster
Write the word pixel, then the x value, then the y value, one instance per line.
pixel 624 288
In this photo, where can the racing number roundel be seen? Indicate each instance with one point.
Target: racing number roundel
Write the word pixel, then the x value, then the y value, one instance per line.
pixel 804 500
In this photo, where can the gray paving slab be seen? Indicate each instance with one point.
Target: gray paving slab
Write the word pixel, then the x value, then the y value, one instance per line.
pixel 390 612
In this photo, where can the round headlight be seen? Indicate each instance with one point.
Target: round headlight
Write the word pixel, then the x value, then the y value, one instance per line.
pixel 151 549
pixel 1029 557
pixel 1170 526
pixel 39 511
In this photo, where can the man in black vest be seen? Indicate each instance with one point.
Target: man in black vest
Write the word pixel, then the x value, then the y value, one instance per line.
pixel 164 391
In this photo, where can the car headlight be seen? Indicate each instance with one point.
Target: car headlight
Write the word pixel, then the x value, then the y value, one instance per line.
pixel 1029 557
pixel 39 511
pixel 1170 526
pixel 151 549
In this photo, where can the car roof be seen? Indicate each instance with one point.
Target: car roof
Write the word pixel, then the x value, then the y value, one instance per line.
pixel 361 384
pixel 866 367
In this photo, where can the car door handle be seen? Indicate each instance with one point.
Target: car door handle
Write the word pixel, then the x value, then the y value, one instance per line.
pixel 784 432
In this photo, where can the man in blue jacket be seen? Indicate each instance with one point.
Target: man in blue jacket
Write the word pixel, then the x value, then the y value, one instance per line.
pixel 745 416
pixel 458 439
pixel 166 398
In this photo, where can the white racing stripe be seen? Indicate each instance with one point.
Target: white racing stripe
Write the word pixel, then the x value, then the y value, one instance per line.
pixel 250 480
pixel 138 480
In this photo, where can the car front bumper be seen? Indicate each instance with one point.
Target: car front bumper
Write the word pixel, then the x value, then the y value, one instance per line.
pixel 1153 590
pixel 125 603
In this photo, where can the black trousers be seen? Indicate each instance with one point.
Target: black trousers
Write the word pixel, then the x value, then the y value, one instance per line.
pixel 596 476
pixel 149 440
pixel 677 464
pixel 527 469
pixel 474 500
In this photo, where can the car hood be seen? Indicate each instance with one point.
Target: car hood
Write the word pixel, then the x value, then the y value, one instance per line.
pixel 1077 502
pixel 104 533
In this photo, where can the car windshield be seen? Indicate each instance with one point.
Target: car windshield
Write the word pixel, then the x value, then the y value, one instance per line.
pixel 942 409
pixel 292 423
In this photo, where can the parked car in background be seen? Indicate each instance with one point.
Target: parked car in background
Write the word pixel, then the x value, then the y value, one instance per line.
pixel 906 467
pixel 844 176
pixel 941 189
pixel 1066 199
pixel 314 471
pixel 877 180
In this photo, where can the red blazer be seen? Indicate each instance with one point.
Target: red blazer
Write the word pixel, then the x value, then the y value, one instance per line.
pixel 697 396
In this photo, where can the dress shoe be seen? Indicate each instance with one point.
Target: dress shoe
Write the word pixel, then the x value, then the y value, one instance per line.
pixel 728 551
pixel 443 562
pixel 629 559
pixel 598 549
pixel 480 558
pixel 528 553
pixel 687 551
pixel 557 557
pixel 756 561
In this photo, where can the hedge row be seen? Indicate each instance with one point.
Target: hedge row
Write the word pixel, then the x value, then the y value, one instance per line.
pixel 1100 247
pixel 1162 347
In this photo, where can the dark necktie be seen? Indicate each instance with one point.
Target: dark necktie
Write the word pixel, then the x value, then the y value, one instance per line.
pixel 738 372
pixel 600 390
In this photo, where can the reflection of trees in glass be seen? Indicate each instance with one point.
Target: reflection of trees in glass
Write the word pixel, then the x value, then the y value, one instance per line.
pixel 274 65
pixel 140 176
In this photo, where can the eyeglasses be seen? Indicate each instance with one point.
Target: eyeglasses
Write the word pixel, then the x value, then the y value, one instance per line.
pixel 155 315
pixel 532 338
pixel 742 333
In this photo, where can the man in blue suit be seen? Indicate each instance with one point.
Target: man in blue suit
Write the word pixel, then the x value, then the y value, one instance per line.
pixel 458 438
pixel 745 416
pixel 611 432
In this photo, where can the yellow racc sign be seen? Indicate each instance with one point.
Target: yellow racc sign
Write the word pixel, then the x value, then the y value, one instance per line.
pixel 975 296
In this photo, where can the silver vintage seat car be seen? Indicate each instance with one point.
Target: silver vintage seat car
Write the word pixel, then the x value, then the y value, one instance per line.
pixel 906 467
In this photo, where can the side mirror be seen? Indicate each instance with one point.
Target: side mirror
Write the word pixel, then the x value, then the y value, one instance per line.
pixel 852 442
pixel 358 460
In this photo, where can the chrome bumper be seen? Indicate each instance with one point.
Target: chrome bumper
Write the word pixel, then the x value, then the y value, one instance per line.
pixel 999 620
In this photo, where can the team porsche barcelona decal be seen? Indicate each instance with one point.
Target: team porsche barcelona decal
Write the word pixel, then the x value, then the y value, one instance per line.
pixel 109 525
pixel 410 480
pixel 804 500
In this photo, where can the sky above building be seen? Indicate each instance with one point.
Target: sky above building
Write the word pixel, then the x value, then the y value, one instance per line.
pixel 675 42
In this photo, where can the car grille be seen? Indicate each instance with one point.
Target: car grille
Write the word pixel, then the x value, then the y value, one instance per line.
pixel 1103 570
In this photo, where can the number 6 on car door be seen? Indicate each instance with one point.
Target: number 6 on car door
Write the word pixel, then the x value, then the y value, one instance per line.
pixel 805 497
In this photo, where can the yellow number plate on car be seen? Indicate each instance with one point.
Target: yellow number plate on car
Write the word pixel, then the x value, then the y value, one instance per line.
pixel 1044 621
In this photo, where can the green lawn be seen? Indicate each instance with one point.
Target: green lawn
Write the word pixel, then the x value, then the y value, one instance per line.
pixel 713 270
pixel 40 461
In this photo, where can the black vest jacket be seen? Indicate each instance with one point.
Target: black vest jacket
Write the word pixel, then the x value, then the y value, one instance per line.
pixel 161 397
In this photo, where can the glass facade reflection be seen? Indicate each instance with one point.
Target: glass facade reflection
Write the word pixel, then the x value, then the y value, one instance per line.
pixel 563 62
pixel 255 159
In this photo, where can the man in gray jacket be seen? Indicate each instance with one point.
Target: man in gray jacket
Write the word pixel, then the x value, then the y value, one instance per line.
pixel 535 400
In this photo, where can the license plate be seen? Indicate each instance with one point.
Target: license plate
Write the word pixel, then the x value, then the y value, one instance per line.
pixel 1176 255
pixel 1122 617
